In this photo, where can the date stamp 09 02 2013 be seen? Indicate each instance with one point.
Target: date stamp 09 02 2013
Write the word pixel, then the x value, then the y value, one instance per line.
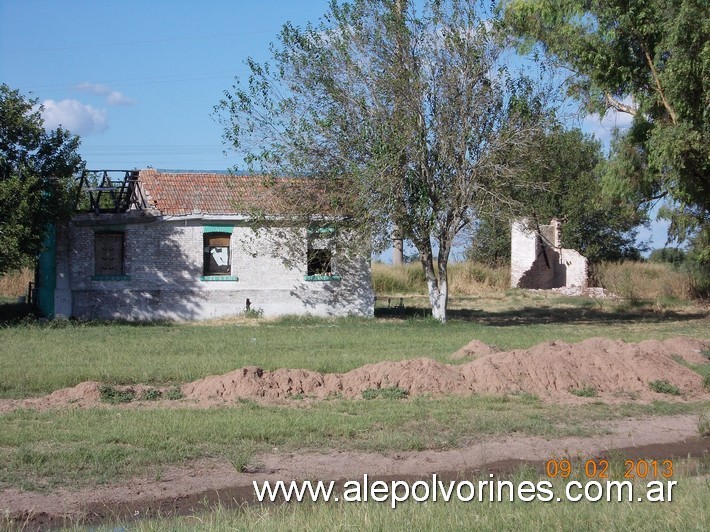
pixel 599 469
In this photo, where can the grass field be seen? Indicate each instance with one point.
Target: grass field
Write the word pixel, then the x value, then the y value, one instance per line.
pixel 46 450
pixel 42 450
pixel 39 358
pixel 95 445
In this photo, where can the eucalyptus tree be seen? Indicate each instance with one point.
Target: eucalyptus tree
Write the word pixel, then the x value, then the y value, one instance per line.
pixel 649 59
pixel 413 119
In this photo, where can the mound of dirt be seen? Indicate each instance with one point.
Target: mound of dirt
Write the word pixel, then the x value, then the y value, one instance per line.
pixel 82 395
pixel 252 382
pixel 609 369
pixel 83 391
pixel 473 349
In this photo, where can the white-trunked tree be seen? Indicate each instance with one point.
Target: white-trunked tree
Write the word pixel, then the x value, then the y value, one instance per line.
pixel 412 117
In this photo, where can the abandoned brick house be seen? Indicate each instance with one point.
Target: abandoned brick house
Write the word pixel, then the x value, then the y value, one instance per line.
pixel 538 260
pixel 158 245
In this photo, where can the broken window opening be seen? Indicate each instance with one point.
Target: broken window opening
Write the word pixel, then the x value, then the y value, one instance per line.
pixel 108 253
pixel 320 262
pixel 217 254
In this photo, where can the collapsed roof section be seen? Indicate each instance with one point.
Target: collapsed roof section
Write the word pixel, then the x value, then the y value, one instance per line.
pixel 190 193
pixel 109 191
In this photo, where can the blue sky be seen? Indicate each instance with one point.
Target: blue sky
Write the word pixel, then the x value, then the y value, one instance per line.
pixel 137 80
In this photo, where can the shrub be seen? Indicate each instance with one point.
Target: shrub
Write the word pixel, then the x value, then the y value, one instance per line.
pixel 174 393
pixel 586 391
pixel 663 386
pixel 699 275
pixel 393 392
pixel 151 395
pixel 673 256
pixel 637 280
pixel 114 396
pixel 14 284
pixel 704 426
pixel 254 313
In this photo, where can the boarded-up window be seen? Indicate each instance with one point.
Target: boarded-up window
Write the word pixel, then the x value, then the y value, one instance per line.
pixel 319 262
pixel 108 253
pixel 217 259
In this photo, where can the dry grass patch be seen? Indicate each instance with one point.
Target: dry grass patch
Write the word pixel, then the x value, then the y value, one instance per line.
pixel 15 284
pixel 465 279
pixel 637 280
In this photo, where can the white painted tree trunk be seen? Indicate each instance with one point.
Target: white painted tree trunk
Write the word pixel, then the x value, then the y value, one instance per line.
pixel 438 287
pixel 438 295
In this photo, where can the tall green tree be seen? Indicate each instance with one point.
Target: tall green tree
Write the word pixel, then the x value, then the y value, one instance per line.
pixel 651 60
pixel 412 116
pixel 571 164
pixel 36 168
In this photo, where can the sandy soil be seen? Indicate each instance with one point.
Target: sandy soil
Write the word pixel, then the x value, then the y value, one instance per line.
pixel 615 369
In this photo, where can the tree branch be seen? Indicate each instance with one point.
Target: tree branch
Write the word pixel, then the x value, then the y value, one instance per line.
pixel 659 88
pixel 619 106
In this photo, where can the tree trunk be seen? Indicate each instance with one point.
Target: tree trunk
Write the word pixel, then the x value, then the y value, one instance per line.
pixel 438 296
pixel 443 299
pixel 436 287
pixel 397 247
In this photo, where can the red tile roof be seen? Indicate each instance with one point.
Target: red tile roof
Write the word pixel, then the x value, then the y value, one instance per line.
pixel 204 193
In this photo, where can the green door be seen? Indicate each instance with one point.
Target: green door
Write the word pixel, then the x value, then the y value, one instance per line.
pixel 47 278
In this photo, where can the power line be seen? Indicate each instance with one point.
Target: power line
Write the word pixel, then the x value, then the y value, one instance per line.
pixel 153 80
pixel 105 44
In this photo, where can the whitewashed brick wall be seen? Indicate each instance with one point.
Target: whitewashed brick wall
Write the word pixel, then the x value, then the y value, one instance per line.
pixel 163 263
pixel 529 267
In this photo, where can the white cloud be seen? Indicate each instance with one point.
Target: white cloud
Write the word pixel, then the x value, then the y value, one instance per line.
pixel 112 97
pixel 118 98
pixel 79 118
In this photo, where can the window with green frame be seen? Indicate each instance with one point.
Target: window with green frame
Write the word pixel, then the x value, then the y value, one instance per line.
pixel 217 255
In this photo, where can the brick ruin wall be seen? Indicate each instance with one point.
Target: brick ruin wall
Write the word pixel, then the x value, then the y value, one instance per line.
pixel 538 261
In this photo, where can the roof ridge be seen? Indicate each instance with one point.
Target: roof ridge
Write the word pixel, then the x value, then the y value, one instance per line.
pixel 180 193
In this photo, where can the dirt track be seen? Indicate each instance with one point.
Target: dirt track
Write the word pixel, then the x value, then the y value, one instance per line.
pixel 185 490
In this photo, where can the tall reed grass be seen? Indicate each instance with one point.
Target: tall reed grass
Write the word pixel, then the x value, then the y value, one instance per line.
pixel 465 278
pixel 629 280
pixel 14 284
pixel 644 280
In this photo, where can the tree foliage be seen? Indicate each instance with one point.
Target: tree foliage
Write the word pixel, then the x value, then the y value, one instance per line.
pixel 413 116
pixel 650 59
pixel 674 256
pixel 35 178
pixel 598 226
